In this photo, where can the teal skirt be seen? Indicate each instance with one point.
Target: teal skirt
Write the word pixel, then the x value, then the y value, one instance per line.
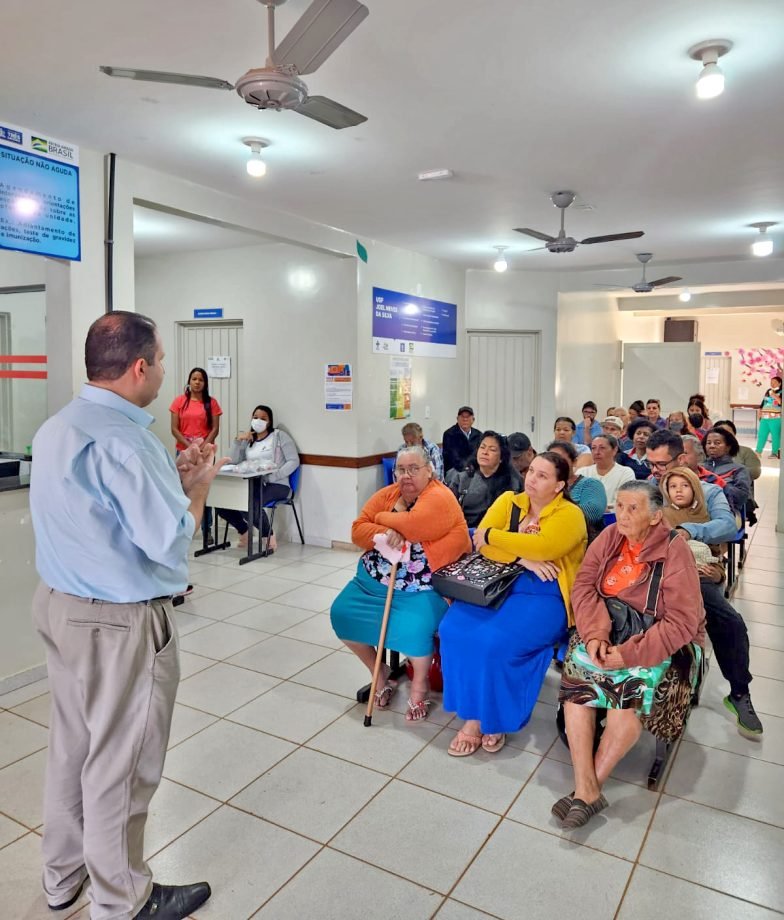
pixel 413 621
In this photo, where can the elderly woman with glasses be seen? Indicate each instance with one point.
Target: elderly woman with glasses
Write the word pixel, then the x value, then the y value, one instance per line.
pixel 420 511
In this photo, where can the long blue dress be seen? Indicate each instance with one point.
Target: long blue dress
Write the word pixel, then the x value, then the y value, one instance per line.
pixel 494 661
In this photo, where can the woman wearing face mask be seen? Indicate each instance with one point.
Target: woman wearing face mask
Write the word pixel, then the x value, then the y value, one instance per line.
pixel 268 446
pixel 698 416
pixel 680 424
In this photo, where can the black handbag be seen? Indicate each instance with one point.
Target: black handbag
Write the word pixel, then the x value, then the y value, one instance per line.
pixel 477 580
pixel 626 620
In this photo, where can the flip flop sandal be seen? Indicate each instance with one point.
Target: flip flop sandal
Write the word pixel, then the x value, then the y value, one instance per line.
pixel 562 806
pixel 581 812
pixel 384 696
pixel 494 748
pixel 417 711
pixel 464 736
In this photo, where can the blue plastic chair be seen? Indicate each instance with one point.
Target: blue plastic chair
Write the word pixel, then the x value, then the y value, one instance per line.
pixel 389 469
pixel 734 563
pixel 293 486
pixel 609 518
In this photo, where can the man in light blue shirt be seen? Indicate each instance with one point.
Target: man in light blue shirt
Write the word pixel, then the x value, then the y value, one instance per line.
pixel 113 519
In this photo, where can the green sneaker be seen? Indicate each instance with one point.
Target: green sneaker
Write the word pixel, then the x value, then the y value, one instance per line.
pixel 749 724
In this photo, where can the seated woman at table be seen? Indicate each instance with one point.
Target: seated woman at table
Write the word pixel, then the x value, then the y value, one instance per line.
pixel 487 475
pixel 421 511
pixel 270 447
pixel 645 680
pixel 494 660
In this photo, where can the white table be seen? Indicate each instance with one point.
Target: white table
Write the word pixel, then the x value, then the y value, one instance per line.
pixel 238 492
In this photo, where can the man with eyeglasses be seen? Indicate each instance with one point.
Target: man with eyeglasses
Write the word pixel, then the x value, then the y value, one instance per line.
pixel 725 626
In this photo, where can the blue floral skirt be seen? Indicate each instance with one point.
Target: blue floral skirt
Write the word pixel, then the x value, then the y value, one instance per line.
pixel 413 621
pixel 494 661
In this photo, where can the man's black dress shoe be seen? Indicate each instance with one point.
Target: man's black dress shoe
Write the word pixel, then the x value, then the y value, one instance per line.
pixel 174 902
pixel 70 902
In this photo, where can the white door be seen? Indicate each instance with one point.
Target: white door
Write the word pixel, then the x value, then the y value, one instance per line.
pixel 503 381
pixel 667 371
pixel 716 373
pixel 196 342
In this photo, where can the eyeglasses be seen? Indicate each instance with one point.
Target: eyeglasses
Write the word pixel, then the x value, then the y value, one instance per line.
pixel 401 471
pixel 660 465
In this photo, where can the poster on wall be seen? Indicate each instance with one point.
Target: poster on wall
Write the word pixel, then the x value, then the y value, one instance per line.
pixel 399 387
pixel 219 366
pixel 407 325
pixel 338 387
pixel 39 194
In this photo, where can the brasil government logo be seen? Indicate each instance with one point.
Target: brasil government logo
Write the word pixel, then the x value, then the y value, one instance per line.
pixel 39 143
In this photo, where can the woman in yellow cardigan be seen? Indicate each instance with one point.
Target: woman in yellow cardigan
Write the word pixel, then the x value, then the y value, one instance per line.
pixel 494 660
pixel 423 512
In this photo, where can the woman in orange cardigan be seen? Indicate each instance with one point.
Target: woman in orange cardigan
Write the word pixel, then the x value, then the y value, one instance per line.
pixel 423 512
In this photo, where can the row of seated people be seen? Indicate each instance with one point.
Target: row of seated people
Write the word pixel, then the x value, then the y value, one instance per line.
pixel 494 660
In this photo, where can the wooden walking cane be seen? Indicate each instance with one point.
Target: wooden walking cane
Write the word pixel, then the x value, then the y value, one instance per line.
pixel 382 638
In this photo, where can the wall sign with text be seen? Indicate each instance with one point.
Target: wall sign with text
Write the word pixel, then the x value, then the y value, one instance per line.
pixel 39 194
pixel 413 326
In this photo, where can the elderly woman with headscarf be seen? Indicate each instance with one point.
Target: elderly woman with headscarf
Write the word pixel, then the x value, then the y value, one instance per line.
pixel 420 511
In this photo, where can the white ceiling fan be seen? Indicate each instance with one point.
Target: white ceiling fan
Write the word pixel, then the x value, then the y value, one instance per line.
pixel 322 28
pixel 643 286
pixel 564 243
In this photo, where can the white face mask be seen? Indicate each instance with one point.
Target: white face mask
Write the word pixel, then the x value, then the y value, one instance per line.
pixel 259 425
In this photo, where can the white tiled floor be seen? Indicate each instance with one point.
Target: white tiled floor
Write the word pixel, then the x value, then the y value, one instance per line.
pixel 276 793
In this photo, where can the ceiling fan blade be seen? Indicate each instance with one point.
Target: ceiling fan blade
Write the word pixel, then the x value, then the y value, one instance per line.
pixel 535 234
pixel 162 76
pixel 322 28
pixel 608 238
pixel 330 113
pixel 619 287
pixel 668 280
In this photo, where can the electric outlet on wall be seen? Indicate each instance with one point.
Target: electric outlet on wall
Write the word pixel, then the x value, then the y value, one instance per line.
pixel 427 411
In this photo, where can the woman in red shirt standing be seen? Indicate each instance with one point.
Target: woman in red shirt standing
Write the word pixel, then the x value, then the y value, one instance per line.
pixel 196 414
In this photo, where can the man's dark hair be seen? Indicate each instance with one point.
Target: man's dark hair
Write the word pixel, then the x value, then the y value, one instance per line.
pixel 663 437
pixel 115 341
pixel 653 401
pixel 589 405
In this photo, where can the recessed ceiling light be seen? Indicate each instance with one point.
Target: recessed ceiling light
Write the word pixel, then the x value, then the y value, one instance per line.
pixel 710 82
pixel 684 296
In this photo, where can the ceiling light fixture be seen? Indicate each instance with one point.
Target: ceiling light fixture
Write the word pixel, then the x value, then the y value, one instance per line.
pixel 764 245
pixel 500 264
pixel 255 166
pixel 710 82
pixel 684 296
pixel 435 174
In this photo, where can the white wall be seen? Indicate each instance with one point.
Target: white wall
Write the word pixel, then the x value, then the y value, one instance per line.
pixel 520 302
pixel 437 383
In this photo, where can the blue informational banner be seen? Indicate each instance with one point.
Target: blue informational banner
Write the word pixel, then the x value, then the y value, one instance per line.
pixel 214 313
pixel 408 325
pixel 39 194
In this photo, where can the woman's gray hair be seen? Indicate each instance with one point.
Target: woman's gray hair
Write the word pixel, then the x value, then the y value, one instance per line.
pixel 418 452
pixel 655 498
pixel 698 449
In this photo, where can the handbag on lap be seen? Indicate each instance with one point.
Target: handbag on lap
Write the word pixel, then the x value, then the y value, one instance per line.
pixel 477 580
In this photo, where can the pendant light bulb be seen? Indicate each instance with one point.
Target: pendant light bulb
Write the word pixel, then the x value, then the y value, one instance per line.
pixel 710 82
pixel 500 264
pixel 255 167
pixel 763 246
